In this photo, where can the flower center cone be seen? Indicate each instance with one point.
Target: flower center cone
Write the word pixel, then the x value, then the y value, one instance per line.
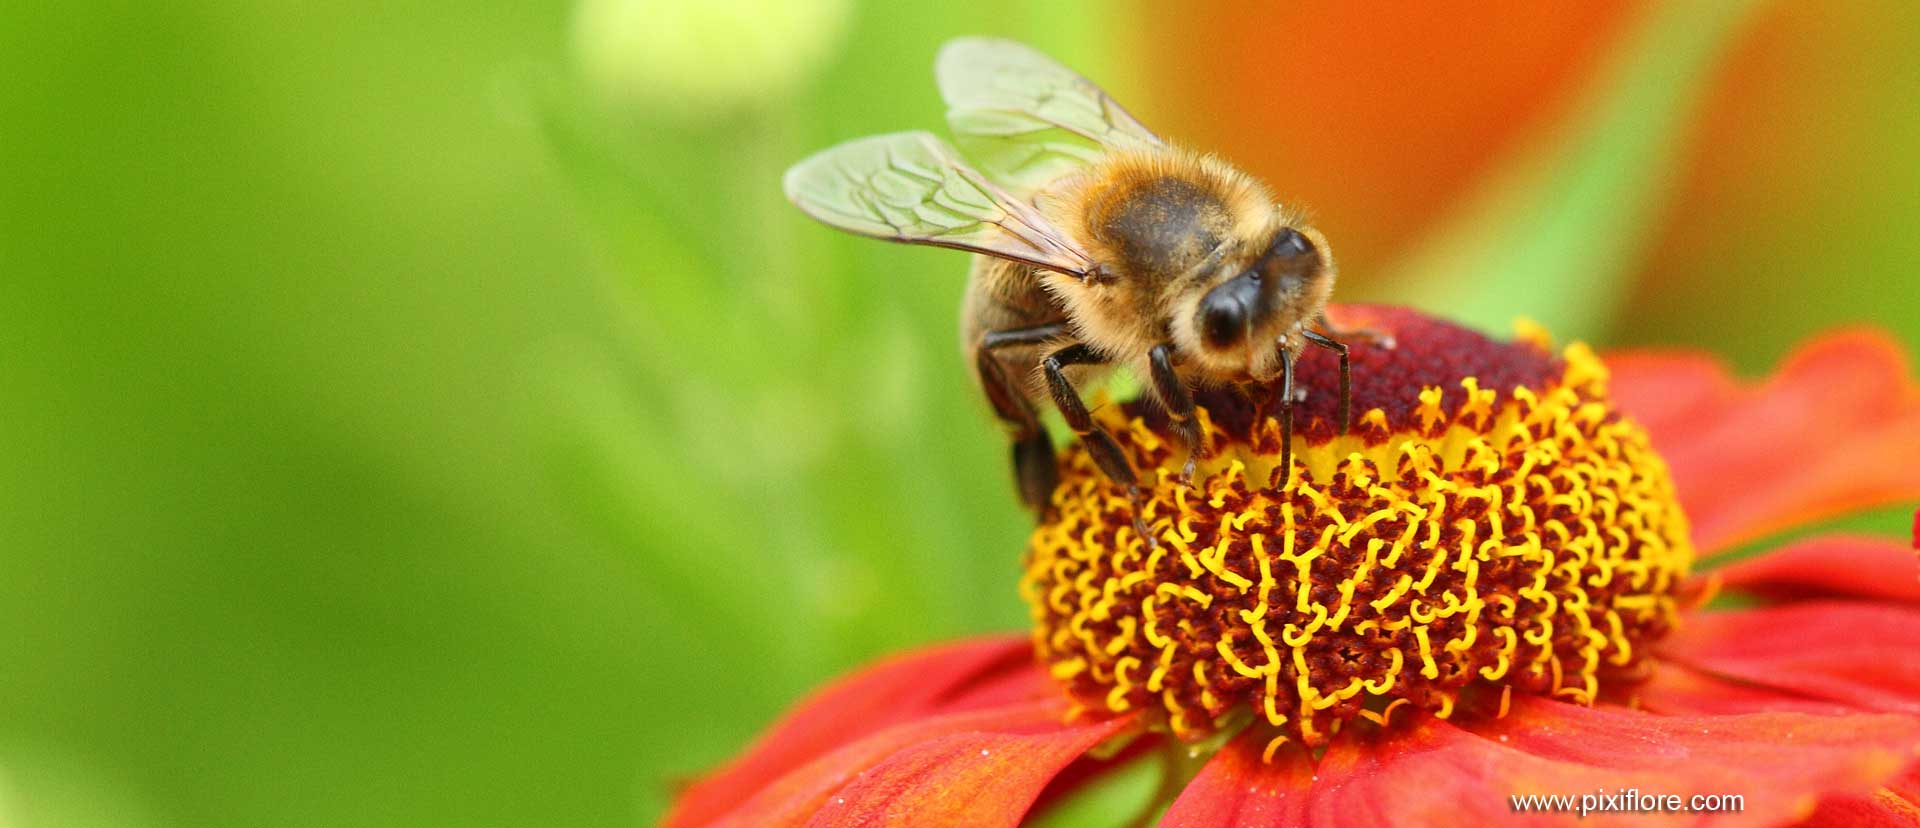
pixel 1491 524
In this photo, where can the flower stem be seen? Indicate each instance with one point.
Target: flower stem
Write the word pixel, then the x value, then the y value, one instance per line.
pixel 1179 764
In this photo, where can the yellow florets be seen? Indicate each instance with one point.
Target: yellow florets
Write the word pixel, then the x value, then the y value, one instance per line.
pixel 1470 544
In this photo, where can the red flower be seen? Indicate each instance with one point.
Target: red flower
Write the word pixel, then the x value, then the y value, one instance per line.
pixel 1802 698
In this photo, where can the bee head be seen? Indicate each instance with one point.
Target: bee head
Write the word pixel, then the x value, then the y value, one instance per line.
pixel 1235 325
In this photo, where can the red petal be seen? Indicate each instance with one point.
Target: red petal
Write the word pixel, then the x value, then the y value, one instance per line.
pixel 961 676
pixel 1837 428
pixel 1236 789
pixel 976 779
pixel 1778 761
pixel 794 798
pixel 1675 689
pixel 1908 784
pixel 1671 393
pixel 1881 809
pixel 1833 566
pixel 1859 654
pixel 1438 774
pixel 1896 805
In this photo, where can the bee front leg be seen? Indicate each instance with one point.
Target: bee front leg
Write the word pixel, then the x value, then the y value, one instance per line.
pixel 1346 374
pixel 1335 339
pixel 1034 469
pixel 1379 338
pixel 1286 416
pixel 1178 400
pixel 1105 450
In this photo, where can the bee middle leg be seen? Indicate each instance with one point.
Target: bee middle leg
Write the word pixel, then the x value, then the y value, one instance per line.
pixel 1034 469
pixel 1179 404
pixel 1100 444
pixel 1105 450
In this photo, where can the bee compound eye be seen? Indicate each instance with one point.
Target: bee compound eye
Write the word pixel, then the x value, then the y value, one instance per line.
pixel 1291 243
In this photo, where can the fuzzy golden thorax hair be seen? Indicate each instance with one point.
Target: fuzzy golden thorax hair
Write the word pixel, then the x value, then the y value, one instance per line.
pixel 1166 226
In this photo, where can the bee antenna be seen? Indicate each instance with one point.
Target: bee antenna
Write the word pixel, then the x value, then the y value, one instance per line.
pixel 1246 335
pixel 1211 261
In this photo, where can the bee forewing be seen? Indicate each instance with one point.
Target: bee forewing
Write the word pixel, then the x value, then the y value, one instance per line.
pixel 911 187
pixel 1023 118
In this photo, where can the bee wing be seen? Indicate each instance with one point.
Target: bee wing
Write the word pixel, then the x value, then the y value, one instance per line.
pixel 1023 118
pixel 911 187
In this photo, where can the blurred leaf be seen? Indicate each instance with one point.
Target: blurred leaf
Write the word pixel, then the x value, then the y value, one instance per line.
pixel 1557 233
pixel 785 435
pixel 1117 796
pixel 1800 203
pixel 1886 521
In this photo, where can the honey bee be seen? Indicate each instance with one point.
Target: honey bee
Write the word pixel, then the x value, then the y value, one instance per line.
pixel 1099 244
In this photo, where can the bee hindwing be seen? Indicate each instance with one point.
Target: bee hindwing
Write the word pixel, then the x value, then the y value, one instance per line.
pixel 1023 118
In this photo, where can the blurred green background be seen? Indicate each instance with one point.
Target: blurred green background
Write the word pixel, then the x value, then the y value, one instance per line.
pixel 427 418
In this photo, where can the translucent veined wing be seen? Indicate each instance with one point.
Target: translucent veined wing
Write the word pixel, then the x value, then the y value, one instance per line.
pixel 911 187
pixel 1024 119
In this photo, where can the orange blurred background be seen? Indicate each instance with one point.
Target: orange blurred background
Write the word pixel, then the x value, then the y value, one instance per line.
pixel 1793 204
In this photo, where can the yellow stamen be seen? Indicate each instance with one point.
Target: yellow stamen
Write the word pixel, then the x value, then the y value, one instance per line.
pixel 1507 536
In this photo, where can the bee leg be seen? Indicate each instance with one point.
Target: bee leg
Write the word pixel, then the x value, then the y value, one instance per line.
pixel 1034 469
pixel 1346 374
pixel 1380 339
pixel 1105 450
pixel 1286 417
pixel 1101 445
pixel 1179 404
